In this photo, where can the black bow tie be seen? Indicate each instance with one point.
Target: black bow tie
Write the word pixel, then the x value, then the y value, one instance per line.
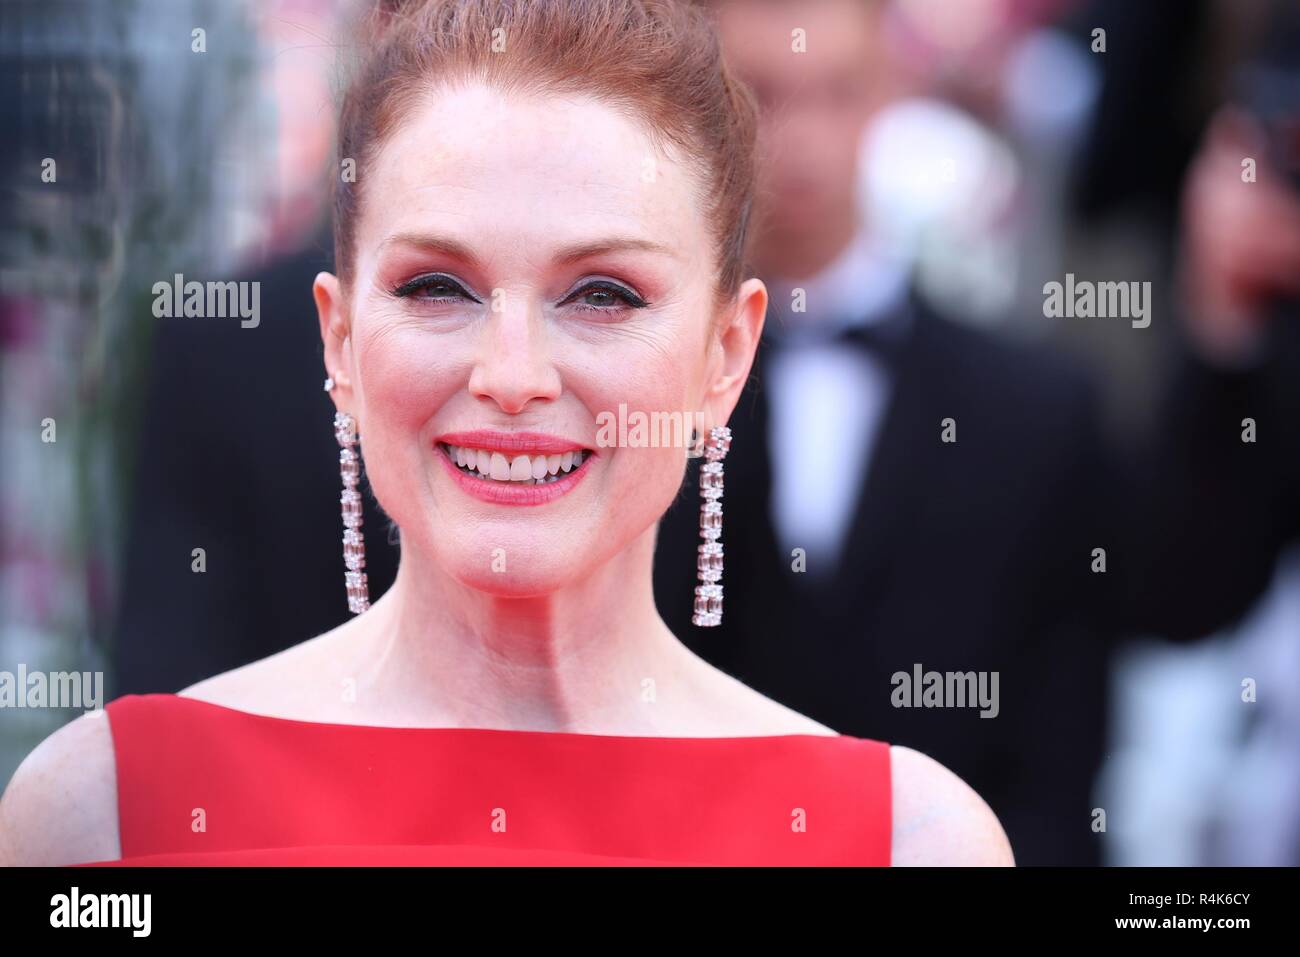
pixel 881 339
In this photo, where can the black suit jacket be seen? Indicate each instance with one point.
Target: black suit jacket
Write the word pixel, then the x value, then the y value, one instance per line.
pixel 237 456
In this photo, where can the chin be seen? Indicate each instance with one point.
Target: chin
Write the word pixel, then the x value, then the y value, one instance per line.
pixel 522 577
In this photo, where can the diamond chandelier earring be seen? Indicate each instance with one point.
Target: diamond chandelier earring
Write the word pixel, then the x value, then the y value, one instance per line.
pixel 708 594
pixel 354 544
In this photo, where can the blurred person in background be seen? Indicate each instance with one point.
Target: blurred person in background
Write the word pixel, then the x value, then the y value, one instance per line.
pixel 1233 797
pixel 917 494
pixel 871 542
pixel 232 448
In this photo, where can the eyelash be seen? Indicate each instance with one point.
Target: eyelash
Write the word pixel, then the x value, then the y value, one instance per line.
pixel 630 299
pixel 429 281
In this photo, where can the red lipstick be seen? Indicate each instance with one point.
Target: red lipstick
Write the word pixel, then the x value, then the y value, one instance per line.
pixel 511 444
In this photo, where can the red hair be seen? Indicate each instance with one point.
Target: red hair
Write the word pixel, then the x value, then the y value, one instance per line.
pixel 661 60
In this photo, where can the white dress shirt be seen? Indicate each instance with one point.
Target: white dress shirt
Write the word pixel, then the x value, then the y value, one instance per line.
pixel 826 398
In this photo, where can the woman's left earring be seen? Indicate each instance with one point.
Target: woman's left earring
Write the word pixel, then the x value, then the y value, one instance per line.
pixel 708 593
pixel 354 544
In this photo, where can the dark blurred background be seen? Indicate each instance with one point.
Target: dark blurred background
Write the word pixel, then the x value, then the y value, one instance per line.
pixel 1003 144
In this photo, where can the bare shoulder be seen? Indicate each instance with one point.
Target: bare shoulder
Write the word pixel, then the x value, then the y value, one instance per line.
pixel 939 819
pixel 61 805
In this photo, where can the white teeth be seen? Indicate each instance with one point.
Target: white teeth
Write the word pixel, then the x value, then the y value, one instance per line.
pixel 525 469
pixel 500 468
pixel 521 467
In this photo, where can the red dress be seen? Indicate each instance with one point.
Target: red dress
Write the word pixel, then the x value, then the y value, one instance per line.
pixel 200 783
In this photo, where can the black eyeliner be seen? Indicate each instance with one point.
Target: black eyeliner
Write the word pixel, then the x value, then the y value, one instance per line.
pixel 430 279
pixel 607 285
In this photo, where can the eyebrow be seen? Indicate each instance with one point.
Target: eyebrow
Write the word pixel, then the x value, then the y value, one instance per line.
pixel 569 254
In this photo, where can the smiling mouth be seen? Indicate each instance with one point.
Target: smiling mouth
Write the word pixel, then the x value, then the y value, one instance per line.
pixel 501 469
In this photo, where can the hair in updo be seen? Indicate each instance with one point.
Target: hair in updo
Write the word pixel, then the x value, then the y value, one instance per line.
pixel 660 60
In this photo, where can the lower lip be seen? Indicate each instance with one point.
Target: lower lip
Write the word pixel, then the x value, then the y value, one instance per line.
pixel 510 493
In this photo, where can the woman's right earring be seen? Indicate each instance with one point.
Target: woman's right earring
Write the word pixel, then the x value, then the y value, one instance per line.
pixel 708 594
pixel 354 544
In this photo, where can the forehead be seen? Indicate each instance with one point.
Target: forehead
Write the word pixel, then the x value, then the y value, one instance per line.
pixel 543 170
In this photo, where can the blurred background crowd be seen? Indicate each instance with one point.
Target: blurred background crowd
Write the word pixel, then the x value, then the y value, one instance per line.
pixel 929 166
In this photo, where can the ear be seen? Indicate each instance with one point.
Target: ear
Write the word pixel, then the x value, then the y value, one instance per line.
pixel 335 334
pixel 735 349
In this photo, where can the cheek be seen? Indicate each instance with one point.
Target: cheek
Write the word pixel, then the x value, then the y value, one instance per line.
pixel 645 406
pixel 404 374
pixel 404 379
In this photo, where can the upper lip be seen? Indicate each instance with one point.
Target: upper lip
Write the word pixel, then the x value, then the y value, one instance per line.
pixel 541 443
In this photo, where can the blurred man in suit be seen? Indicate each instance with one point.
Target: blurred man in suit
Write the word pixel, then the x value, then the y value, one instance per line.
pixel 859 543
pixel 907 494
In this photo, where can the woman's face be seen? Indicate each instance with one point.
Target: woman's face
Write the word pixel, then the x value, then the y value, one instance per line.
pixel 524 268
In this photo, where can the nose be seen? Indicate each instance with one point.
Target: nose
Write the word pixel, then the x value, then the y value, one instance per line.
pixel 513 366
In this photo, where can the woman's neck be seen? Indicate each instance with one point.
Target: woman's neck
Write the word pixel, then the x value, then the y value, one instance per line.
pixel 592 656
